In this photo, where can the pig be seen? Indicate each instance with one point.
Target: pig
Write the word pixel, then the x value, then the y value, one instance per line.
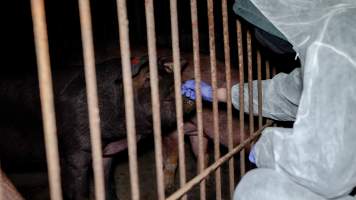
pixel 22 144
pixel 7 189
pixel 190 125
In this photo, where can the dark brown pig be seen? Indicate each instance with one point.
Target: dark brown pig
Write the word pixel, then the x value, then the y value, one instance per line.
pixel 21 136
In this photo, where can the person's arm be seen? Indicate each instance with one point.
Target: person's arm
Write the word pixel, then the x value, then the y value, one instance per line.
pixel 222 95
pixel 280 100
pixel 280 96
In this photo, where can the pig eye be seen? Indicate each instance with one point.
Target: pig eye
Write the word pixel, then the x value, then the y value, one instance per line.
pixel 168 66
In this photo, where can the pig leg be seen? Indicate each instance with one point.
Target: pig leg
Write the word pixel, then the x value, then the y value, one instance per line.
pixel 109 179
pixel 76 177
pixel 194 141
pixel 170 158
pixel 191 130
pixel 170 153
pixel 75 173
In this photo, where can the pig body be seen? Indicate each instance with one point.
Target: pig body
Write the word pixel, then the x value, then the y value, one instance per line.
pixel 208 121
pixel 191 126
pixel 22 143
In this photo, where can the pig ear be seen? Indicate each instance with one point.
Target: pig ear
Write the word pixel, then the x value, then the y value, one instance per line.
pixel 137 63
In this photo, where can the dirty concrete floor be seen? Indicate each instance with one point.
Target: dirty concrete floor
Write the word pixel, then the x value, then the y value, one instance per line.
pixel 34 186
pixel 147 175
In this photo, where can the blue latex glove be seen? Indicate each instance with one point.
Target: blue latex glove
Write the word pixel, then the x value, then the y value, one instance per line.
pixel 251 156
pixel 188 90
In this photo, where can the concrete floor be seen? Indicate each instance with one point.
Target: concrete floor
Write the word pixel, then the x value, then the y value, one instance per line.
pixel 148 178
pixel 34 186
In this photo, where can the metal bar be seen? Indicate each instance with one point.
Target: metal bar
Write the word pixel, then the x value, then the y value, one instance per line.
pixel 7 189
pixel 274 71
pixel 216 165
pixel 268 76
pixel 46 95
pixel 2 188
pixel 199 104
pixel 250 79
pixel 228 94
pixel 129 100
pixel 241 95
pixel 215 100
pixel 259 88
pixel 177 88
pixel 92 97
pixel 268 70
pixel 152 51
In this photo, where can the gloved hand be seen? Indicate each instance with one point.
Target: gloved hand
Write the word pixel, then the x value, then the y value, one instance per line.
pixel 251 156
pixel 188 90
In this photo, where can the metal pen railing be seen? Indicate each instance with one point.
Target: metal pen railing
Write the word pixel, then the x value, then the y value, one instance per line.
pixel 48 112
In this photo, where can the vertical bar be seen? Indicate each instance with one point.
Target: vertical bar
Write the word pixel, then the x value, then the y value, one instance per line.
pixel 199 104
pixel 46 95
pixel 241 95
pixel 1 186
pixel 259 88
pixel 129 100
pixel 228 89
pixel 92 97
pixel 177 88
pixel 7 189
pixel 274 71
pixel 268 70
pixel 250 79
pixel 215 100
pixel 268 76
pixel 152 51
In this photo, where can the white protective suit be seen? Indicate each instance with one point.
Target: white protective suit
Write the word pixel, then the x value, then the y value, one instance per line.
pixel 317 158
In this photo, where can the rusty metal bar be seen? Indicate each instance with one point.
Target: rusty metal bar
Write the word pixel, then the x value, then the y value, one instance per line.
pixel 199 104
pixel 259 88
pixel 274 71
pixel 46 95
pixel 268 76
pixel 7 189
pixel 228 94
pixel 216 164
pixel 241 95
pixel 92 97
pixel 2 187
pixel 129 100
pixel 268 70
pixel 215 100
pixel 177 88
pixel 1 184
pixel 250 79
pixel 152 51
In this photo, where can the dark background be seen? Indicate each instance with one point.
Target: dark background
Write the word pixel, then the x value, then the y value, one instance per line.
pixel 65 38
pixel 64 29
